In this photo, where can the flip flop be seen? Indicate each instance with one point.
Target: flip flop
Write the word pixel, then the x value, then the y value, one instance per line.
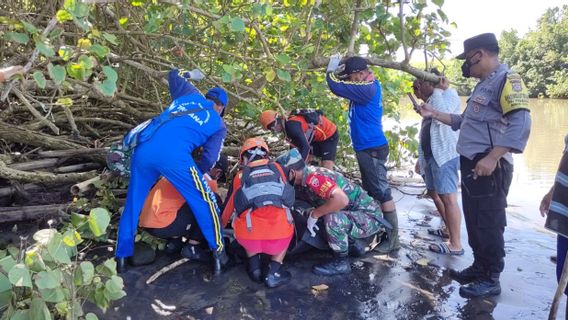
pixel 438 233
pixel 442 248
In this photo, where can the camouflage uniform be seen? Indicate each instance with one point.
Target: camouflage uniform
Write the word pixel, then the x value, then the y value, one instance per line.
pixel 360 219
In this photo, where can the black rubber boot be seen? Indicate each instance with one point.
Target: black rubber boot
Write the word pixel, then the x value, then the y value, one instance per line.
pixel 195 253
pixel 338 265
pixel 174 246
pixel 253 268
pixel 276 277
pixel 469 274
pixel 120 265
pixel 220 262
pixel 357 247
pixel 391 243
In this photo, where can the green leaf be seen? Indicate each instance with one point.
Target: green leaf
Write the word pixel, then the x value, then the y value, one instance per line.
pixel 99 218
pixel 283 58
pixel 227 77
pixel 45 49
pixel 57 73
pixel 439 3
pixel 30 28
pixel 40 79
pixel 43 236
pixel 107 268
pixel 65 53
pixel 39 310
pixel 123 21
pixel 71 237
pixel 107 88
pixel 58 250
pixel 99 50
pixel 113 288
pixel 110 38
pixel 19 276
pixel 91 316
pixel 237 25
pixel 270 74
pixel 78 220
pixel 7 263
pixel 62 308
pixel 77 71
pixel 21 315
pixel 87 271
pixel 284 75
pixel 110 73
pixel 5 290
pixel 48 279
pixel 18 37
pixel 53 295
pixel 34 260
pixel 63 15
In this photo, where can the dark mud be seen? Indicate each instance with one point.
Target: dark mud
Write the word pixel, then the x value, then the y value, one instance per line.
pixel 411 284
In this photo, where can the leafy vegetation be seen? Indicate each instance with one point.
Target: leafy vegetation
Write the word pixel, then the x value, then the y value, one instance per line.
pixel 50 278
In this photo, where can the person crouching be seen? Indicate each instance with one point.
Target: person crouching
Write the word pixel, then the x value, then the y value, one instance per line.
pixel 259 203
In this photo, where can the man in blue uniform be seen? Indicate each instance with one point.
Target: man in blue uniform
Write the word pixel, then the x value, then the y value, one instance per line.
pixel 358 84
pixel 164 149
pixel 495 123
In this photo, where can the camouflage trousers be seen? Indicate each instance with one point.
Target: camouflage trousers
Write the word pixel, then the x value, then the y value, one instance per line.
pixel 355 224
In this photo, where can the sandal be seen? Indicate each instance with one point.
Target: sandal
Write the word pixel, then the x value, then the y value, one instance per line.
pixel 438 233
pixel 442 248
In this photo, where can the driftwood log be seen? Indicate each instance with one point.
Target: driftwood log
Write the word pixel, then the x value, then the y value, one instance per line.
pixel 14 214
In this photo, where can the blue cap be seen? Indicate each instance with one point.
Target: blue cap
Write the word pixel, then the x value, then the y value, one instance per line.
pixel 217 95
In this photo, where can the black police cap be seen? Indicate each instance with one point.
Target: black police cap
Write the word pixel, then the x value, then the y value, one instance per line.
pixel 354 64
pixel 484 40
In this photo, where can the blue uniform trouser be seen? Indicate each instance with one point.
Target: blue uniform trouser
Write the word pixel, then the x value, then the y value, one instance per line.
pixel 159 158
pixel 561 249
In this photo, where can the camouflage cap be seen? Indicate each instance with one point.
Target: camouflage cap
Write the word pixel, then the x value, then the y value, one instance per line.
pixel 291 159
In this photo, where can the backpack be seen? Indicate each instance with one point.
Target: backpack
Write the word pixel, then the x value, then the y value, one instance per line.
pixel 263 185
pixel 313 119
pixel 120 153
pixel 312 116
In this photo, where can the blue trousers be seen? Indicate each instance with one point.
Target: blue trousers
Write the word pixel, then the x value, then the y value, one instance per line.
pixel 164 158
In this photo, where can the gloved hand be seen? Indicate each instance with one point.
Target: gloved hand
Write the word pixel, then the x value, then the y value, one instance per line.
pixel 195 75
pixel 311 225
pixel 333 62
pixel 120 265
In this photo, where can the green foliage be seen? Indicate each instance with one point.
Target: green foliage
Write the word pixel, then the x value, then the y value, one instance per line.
pixel 51 281
pixel 538 56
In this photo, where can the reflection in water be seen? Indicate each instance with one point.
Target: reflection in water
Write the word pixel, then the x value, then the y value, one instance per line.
pixel 535 168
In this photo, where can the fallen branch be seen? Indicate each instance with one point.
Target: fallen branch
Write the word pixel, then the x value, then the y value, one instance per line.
pixel 8 191
pixel 166 269
pixel 34 164
pixel 78 167
pixel 36 113
pixel 84 186
pixel 14 214
pixel 17 134
pixel 72 152
pixel 42 177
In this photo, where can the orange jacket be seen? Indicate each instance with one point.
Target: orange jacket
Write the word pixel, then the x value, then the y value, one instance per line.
pixel 163 202
pixel 322 131
pixel 268 223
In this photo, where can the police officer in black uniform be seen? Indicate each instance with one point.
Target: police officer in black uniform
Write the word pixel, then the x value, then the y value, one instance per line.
pixel 495 123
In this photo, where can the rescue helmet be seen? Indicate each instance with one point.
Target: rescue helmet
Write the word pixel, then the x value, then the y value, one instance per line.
pixel 255 146
pixel 267 117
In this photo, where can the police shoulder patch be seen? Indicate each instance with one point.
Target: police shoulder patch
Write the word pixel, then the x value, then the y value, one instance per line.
pixel 514 95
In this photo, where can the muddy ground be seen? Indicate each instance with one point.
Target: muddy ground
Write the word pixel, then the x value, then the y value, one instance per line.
pixel 411 284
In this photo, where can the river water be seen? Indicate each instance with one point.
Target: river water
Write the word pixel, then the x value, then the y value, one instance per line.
pixel 536 167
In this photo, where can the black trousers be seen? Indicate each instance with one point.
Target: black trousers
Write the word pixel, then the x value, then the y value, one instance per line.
pixel 484 201
pixel 184 225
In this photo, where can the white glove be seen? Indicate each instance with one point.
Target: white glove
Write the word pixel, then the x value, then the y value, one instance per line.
pixel 333 62
pixel 194 75
pixel 311 225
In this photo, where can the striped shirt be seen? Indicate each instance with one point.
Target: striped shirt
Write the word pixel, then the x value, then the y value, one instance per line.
pixel 557 218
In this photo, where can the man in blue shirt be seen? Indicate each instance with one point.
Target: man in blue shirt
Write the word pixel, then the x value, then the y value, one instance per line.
pixel 358 84
pixel 164 149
